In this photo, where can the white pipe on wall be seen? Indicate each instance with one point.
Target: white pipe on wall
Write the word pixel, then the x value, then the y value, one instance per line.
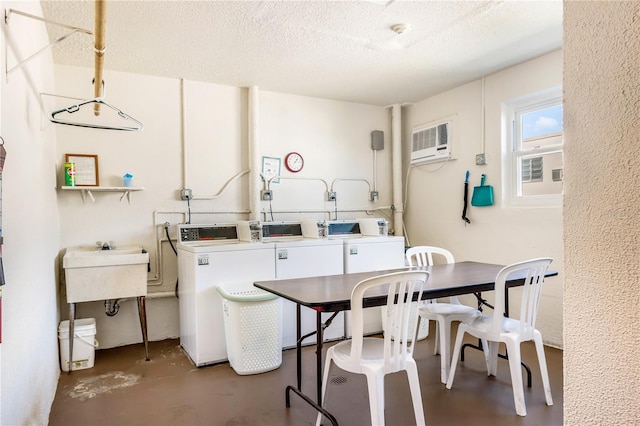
pixel 271 179
pixel 254 154
pixel 183 126
pixel 375 170
pixel 396 142
pixel 224 187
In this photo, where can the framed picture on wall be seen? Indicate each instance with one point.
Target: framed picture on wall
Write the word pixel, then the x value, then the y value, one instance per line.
pixel 86 168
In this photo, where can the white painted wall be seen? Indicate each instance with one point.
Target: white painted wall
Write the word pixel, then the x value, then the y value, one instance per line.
pixel 334 138
pixel 499 233
pixel 335 141
pixel 31 231
pixel 602 236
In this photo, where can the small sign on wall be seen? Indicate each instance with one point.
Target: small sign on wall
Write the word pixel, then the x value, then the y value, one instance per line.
pixel 271 168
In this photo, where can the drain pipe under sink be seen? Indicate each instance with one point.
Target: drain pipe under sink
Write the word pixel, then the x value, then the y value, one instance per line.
pixel 111 307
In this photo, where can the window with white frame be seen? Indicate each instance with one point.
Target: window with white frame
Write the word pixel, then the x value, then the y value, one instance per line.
pixel 532 161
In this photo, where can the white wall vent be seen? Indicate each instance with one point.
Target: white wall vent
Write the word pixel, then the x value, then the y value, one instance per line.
pixel 432 142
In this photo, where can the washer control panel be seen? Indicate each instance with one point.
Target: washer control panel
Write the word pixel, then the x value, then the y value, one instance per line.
pixel 204 233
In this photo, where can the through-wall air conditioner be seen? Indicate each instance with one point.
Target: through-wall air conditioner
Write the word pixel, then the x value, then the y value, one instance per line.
pixel 432 142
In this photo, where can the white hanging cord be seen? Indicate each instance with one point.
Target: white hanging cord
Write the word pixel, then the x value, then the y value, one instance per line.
pixel 483 118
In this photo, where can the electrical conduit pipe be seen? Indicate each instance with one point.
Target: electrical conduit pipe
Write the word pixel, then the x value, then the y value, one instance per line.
pixel 254 154
pixel 396 142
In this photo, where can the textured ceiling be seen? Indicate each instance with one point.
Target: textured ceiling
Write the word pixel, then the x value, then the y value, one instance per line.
pixel 343 50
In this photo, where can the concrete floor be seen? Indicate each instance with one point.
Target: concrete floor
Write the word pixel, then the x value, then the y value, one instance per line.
pixel 124 389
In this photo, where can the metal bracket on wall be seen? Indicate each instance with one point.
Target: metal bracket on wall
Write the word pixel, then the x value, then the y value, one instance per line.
pixel 7 14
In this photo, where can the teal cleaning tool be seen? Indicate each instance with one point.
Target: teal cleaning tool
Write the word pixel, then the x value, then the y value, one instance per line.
pixel 483 194
pixel 466 198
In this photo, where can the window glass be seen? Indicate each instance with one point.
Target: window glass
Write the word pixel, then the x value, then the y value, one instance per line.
pixel 533 150
pixel 538 176
pixel 542 122
pixel 532 169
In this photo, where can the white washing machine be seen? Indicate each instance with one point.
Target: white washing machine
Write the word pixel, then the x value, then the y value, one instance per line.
pixel 208 256
pixel 298 257
pixel 367 247
pixel 364 254
pixel 371 249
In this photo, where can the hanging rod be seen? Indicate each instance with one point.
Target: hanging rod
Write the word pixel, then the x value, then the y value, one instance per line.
pixel 99 47
pixel 73 29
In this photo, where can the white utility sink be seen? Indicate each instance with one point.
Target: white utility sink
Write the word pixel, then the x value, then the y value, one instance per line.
pixel 105 274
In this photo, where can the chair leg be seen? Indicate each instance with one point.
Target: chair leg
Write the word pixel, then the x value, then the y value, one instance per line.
pixel 426 324
pixel 542 360
pixel 485 349
pixel 444 326
pixel 513 349
pixel 375 386
pixel 325 380
pixel 414 386
pixel 492 358
pixel 456 355
pixel 436 346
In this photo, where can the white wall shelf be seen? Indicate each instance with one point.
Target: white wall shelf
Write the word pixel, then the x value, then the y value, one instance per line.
pixel 89 190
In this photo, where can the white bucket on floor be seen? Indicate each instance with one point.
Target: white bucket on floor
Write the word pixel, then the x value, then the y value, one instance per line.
pixel 84 344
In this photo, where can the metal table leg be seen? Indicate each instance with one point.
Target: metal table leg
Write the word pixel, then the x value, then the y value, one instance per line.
pixel 319 332
pixel 72 317
pixel 142 313
pixel 319 342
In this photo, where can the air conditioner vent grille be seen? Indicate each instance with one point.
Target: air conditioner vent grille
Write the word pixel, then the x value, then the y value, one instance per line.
pixel 432 142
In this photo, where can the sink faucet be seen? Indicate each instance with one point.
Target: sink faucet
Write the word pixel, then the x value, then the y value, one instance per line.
pixel 105 245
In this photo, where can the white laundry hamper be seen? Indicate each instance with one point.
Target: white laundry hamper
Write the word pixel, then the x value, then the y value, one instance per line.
pixel 253 329
pixel 84 344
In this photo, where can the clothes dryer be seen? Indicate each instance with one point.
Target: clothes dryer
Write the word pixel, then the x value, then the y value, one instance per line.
pixel 365 254
pixel 208 256
pixel 367 247
pixel 299 257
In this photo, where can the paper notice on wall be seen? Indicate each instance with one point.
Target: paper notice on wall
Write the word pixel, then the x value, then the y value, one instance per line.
pixel 271 169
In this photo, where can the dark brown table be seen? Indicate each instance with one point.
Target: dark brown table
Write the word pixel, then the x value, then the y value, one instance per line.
pixel 333 294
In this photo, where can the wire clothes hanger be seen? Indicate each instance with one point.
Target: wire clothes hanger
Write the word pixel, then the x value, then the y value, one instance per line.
pixel 54 116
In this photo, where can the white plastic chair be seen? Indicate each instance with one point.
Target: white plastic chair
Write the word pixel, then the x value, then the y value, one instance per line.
pixel 498 328
pixel 376 357
pixel 442 313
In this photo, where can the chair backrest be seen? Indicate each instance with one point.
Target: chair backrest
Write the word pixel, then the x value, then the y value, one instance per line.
pixel 423 255
pixel 400 288
pixel 532 271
